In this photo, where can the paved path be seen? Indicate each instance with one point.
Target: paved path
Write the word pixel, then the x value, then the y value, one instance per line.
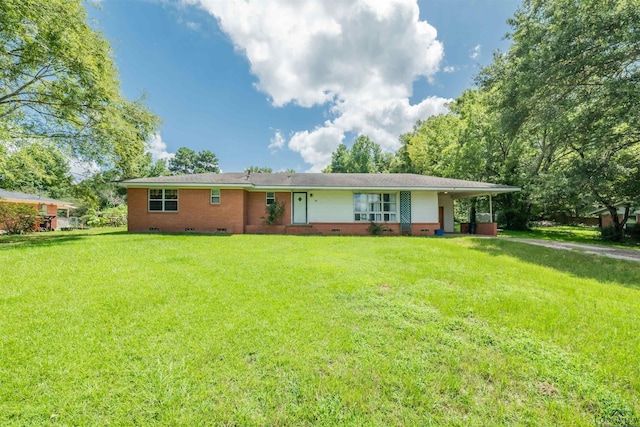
pixel 608 251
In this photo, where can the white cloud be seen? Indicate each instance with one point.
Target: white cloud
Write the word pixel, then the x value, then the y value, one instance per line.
pixel 449 69
pixel 359 58
pixel 193 26
pixel 316 146
pixel 158 148
pixel 277 142
pixel 475 53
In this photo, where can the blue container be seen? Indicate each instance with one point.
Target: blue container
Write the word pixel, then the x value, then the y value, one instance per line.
pixel 439 232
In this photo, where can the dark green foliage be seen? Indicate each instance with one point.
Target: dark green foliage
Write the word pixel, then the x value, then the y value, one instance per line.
pixel 58 82
pixel 568 90
pixel 633 232
pixel 258 169
pixel 375 229
pixel 100 191
pixel 611 234
pixel 36 168
pixel 111 217
pixel 558 115
pixel 365 156
pixel 274 213
pixel 17 218
pixel 187 162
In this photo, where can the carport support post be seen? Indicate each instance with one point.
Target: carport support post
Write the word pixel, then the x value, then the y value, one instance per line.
pixel 490 208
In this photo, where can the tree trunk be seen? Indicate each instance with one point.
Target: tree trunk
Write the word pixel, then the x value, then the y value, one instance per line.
pixel 618 223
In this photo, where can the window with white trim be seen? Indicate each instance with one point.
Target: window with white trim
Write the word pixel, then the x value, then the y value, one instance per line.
pixel 375 207
pixel 215 197
pixel 163 200
pixel 271 198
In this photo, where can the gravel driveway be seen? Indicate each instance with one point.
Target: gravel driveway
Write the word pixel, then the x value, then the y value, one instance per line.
pixel 626 254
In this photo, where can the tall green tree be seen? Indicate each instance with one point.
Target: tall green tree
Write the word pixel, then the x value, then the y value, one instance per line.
pixel 100 191
pixel 432 147
pixel 258 169
pixel 157 168
pixel 58 82
pixel 339 160
pixel 36 168
pixel 570 85
pixel 365 156
pixel 468 143
pixel 186 162
pixel 206 161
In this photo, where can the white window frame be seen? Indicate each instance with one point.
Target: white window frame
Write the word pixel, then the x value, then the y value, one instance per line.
pixel 163 200
pixel 215 196
pixel 376 209
pixel 270 199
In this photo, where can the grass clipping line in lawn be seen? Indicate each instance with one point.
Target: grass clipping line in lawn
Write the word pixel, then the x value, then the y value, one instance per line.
pixel 282 330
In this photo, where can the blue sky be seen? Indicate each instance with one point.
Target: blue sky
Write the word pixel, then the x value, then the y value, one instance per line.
pixel 281 83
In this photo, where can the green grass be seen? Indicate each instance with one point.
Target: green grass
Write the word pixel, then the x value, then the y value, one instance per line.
pixel 108 328
pixel 567 233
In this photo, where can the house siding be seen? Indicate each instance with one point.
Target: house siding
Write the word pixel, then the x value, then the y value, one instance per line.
pixel 330 212
pixel 424 207
pixel 336 207
pixel 330 206
pixel 446 202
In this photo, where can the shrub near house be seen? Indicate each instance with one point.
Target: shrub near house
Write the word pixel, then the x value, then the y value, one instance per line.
pixel 17 218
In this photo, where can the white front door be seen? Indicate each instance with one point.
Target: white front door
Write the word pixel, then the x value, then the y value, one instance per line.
pixel 299 208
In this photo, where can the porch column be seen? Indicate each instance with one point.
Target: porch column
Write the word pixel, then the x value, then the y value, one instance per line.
pixel 490 208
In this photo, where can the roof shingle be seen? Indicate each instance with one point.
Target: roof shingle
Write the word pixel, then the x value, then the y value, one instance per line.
pixel 319 180
pixel 30 198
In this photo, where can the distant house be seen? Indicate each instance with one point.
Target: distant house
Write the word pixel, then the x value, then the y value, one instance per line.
pixel 315 203
pixel 48 208
pixel 605 219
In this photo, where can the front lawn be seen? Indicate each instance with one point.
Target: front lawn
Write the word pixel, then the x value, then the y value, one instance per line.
pixel 108 328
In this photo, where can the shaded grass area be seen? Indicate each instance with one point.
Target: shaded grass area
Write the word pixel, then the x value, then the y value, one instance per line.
pixel 283 330
pixel 567 233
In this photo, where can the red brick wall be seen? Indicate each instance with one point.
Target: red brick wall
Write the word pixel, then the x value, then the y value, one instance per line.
pixel 483 228
pixel 257 204
pixel 53 210
pixel 194 211
pixel 607 221
pixel 487 228
pixel 360 228
pixel 424 229
pixel 345 228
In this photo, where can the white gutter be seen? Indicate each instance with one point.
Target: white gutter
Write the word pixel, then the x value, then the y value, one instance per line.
pixel 491 190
